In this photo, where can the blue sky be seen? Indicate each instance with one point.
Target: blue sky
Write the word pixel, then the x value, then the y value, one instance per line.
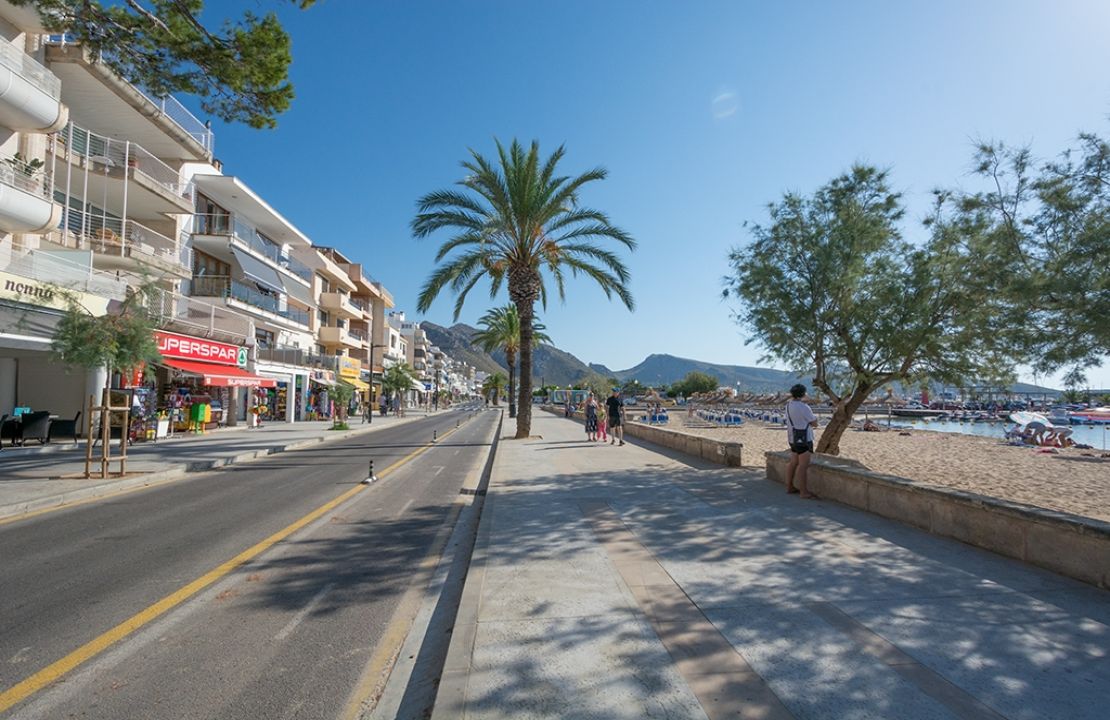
pixel 702 112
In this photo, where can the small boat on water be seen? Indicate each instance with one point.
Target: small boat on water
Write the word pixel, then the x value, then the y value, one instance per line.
pixel 1093 416
pixel 917 412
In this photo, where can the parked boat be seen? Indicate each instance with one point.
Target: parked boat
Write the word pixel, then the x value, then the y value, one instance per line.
pixel 917 412
pixel 1093 416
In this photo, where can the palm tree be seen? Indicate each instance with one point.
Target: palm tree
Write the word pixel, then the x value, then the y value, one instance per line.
pixel 517 222
pixel 494 384
pixel 398 380
pixel 501 331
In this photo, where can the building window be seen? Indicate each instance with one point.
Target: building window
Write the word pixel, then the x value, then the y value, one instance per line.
pixel 323 317
pixel 325 286
pixel 211 219
pixel 204 264
pixel 264 338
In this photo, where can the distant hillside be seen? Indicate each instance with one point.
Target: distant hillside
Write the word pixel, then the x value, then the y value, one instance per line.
pixel 558 367
pixel 455 341
pixel 658 370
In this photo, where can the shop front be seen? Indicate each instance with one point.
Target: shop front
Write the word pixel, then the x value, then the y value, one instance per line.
pixel 320 395
pixel 350 372
pixel 200 384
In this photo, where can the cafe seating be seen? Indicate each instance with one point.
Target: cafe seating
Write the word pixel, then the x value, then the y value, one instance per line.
pixel 35 426
pixel 65 428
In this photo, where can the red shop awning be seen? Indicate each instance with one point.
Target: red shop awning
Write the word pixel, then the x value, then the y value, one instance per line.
pixel 215 375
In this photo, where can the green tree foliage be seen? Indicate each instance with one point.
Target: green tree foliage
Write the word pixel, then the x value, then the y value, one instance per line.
pixel 500 330
pixel 830 286
pixel 493 386
pixel 694 382
pixel 341 394
pixel 519 223
pixel 398 379
pixel 1042 229
pixel 120 340
pixel 239 69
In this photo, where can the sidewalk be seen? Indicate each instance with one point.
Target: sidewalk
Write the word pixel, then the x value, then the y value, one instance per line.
pixel 613 582
pixel 31 479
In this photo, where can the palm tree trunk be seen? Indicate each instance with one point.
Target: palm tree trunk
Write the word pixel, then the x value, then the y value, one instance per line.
pixel 524 406
pixel 510 359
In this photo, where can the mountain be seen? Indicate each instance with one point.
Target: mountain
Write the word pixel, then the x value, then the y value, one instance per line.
pixel 658 370
pixel 456 342
pixel 553 366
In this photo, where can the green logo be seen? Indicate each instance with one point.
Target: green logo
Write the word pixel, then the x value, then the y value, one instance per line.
pixel 241 360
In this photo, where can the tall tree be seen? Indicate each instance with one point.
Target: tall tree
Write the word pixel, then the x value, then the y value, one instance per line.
pixel 830 286
pixel 239 69
pixel 493 385
pixel 398 379
pixel 1043 232
pixel 695 382
pixel 500 330
pixel 514 223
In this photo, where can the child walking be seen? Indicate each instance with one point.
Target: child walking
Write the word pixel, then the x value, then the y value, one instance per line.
pixel 601 422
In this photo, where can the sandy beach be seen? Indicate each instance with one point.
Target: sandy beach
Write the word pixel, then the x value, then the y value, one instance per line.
pixel 1069 481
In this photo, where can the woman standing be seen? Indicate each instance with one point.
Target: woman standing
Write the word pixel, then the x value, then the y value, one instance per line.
pixel 591 418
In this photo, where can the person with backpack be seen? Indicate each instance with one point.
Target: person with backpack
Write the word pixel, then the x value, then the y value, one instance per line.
pixel 800 422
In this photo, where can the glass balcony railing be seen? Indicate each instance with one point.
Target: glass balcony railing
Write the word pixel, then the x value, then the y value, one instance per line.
pixel 108 154
pixel 297 356
pixel 230 288
pixel 14 58
pixel 245 234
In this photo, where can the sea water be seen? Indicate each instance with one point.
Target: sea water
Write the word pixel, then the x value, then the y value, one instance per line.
pixel 1097 436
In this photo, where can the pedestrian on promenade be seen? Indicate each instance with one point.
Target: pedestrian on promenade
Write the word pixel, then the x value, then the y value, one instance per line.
pixel 614 408
pixel 800 422
pixel 591 418
pixel 602 420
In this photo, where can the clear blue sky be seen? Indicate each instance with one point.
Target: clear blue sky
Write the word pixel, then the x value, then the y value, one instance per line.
pixel 702 112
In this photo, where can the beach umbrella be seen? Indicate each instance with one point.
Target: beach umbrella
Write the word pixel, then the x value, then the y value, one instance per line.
pixel 1024 418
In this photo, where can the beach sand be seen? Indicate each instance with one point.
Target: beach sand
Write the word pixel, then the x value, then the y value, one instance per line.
pixel 1069 482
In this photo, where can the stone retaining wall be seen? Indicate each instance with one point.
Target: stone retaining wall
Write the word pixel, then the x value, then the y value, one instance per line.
pixel 1068 544
pixel 724 453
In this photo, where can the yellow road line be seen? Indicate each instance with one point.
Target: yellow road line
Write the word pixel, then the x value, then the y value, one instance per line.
pixel 31 685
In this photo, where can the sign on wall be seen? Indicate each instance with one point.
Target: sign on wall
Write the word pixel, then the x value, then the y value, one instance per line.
pixel 172 345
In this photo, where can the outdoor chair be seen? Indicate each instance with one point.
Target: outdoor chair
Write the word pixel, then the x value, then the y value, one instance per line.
pixel 65 428
pixel 35 426
pixel 9 430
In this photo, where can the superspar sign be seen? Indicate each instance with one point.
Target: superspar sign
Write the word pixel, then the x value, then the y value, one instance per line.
pixel 172 345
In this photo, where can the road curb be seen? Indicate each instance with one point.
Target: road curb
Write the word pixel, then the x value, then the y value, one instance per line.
pixel 179 471
pixel 411 686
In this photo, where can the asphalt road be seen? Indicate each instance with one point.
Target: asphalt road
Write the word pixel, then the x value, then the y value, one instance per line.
pixel 286 635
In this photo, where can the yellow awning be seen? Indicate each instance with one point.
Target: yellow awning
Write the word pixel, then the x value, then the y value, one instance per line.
pixel 356 383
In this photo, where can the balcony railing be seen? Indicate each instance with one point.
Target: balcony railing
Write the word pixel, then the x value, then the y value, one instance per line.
pixel 227 287
pixel 108 154
pixel 14 58
pixel 20 174
pixel 360 336
pixel 236 229
pixel 168 105
pixel 195 317
pixel 48 268
pixel 297 356
pixel 122 237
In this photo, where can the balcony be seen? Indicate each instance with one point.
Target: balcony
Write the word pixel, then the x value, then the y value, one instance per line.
pixel 61 271
pixel 297 356
pixel 118 174
pixel 337 336
pixel 30 95
pixel 191 316
pixel 25 202
pixel 163 125
pixel 122 244
pixel 340 304
pixel 245 236
pixel 240 295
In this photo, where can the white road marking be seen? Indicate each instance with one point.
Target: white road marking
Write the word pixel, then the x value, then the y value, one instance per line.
pixel 20 656
pixel 406 507
pixel 438 471
pixel 303 613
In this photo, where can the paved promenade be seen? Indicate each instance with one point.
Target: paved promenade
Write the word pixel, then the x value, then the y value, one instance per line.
pixel 617 582
pixel 32 479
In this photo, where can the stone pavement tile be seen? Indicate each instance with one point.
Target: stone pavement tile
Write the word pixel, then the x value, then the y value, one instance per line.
pixel 603 667
pixel 1021 656
pixel 551 589
pixel 818 671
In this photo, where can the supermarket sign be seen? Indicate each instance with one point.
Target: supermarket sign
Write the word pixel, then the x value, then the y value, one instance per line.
pixel 172 345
